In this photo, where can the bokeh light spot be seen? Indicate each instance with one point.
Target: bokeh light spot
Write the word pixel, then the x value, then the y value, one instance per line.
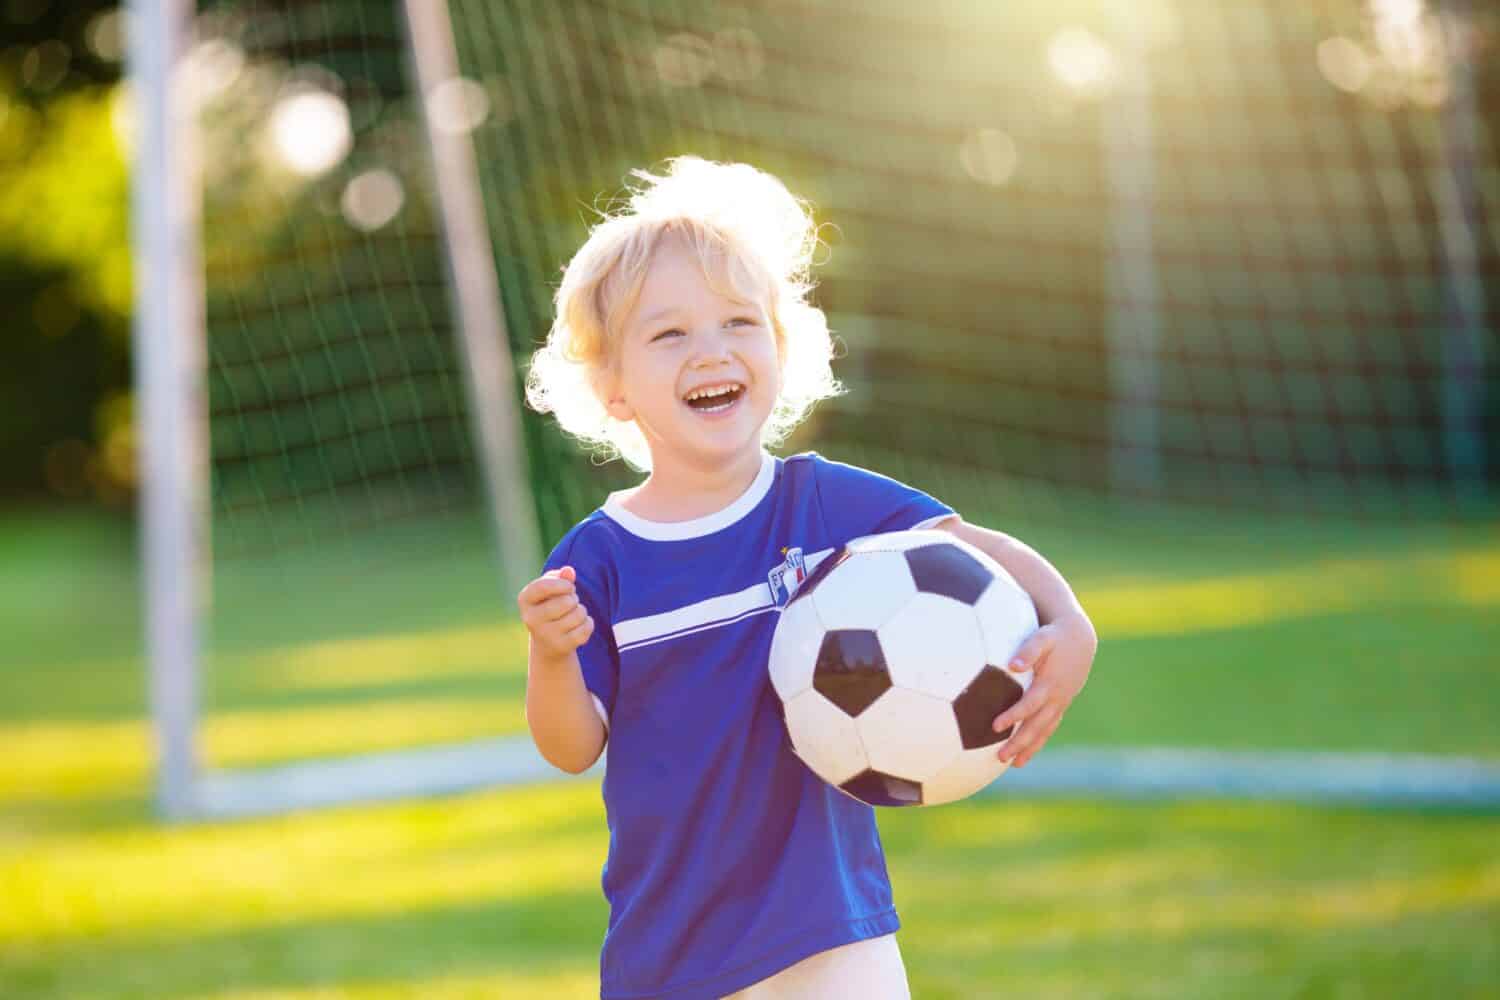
pixel 1082 61
pixel 458 105
pixel 684 60
pixel 372 199
pixel 46 65
pixel 213 67
pixel 1397 13
pixel 310 131
pixel 105 36
pixel 1344 63
pixel 989 155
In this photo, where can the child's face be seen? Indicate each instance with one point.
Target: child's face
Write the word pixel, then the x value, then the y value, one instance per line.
pixel 683 336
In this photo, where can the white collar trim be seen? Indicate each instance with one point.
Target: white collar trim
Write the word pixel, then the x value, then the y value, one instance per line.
pixel 674 531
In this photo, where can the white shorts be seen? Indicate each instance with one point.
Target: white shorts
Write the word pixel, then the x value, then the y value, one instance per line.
pixel 864 970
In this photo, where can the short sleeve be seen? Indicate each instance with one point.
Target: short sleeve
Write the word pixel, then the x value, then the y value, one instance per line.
pixel 857 502
pixel 598 657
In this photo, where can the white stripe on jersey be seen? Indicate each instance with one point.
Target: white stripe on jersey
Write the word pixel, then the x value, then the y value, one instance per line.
pixel 711 613
pixel 714 612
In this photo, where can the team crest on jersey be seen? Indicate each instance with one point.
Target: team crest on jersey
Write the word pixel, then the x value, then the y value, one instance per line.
pixel 786 578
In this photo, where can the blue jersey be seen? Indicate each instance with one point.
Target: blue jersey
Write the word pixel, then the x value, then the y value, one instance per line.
pixel 728 859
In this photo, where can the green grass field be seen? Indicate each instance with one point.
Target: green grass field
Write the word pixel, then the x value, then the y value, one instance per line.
pixel 1215 632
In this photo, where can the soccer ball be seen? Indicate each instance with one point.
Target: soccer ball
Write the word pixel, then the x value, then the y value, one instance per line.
pixel 890 663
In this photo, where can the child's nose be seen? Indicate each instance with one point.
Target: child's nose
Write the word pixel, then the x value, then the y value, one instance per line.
pixel 711 359
pixel 713 353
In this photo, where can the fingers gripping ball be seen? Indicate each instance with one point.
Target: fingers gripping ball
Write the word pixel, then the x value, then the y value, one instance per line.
pixel 890 663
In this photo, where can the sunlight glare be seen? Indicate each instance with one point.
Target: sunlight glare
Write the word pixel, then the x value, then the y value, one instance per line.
pixel 1082 61
pixel 310 131
pixel 1397 13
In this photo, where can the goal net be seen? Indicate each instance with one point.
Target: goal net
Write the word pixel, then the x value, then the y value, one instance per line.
pixel 1209 255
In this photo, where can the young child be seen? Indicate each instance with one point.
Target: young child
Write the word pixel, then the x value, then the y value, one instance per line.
pixel 684 341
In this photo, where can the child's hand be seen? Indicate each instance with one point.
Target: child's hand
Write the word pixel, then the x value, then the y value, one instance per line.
pixel 1061 652
pixel 552 613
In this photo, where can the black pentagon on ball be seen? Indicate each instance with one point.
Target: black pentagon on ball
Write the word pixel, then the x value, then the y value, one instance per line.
pixel 877 788
pixel 948 570
pixel 850 671
pixel 989 694
pixel 824 568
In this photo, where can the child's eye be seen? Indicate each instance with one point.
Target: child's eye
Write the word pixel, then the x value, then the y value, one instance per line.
pixel 666 333
pixel 745 319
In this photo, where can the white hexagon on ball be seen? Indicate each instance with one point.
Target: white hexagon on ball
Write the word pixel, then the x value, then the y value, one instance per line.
pixel 1006 618
pixel 964 775
pixel 794 649
pixel 864 591
pixel 900 541
pixel 908 734
pixel 824 737
pixel 933 645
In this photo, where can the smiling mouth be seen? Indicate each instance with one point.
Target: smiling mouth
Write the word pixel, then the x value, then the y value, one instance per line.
pixel 716 399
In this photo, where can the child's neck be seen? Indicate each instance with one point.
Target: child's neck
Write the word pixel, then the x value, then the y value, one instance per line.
pixel 677 491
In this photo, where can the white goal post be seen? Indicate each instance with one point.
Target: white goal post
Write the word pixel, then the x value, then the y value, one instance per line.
pixel 171 384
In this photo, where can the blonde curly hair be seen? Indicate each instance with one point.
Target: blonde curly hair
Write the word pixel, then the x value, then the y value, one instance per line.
pixel 755 241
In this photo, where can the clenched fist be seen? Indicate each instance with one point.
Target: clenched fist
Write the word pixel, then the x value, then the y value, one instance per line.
pixel 552 613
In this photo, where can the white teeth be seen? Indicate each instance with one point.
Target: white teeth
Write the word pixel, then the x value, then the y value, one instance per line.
pixel 715 391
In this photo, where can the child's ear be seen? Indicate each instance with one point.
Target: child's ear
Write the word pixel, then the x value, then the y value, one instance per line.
pixel 607 387
pixel 619 409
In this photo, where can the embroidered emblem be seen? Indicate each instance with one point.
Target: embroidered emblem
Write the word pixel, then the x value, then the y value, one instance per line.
pixel 785 579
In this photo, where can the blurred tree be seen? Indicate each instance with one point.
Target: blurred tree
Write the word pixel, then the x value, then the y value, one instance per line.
pixel 52 47
pixel 64 252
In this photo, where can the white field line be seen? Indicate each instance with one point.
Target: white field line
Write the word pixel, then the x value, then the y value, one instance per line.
pixel 1161 773
pixel 1370 778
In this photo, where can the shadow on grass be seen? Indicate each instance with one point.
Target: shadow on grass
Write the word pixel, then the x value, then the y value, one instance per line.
pixel 555 934
pixel 543 935
pixel 1443 954
pixel 1195 899
pixel 1064 898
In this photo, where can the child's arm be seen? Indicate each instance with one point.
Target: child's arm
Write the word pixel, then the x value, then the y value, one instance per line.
pixel 1053 598
pixel 1061 651
pixel 559 709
